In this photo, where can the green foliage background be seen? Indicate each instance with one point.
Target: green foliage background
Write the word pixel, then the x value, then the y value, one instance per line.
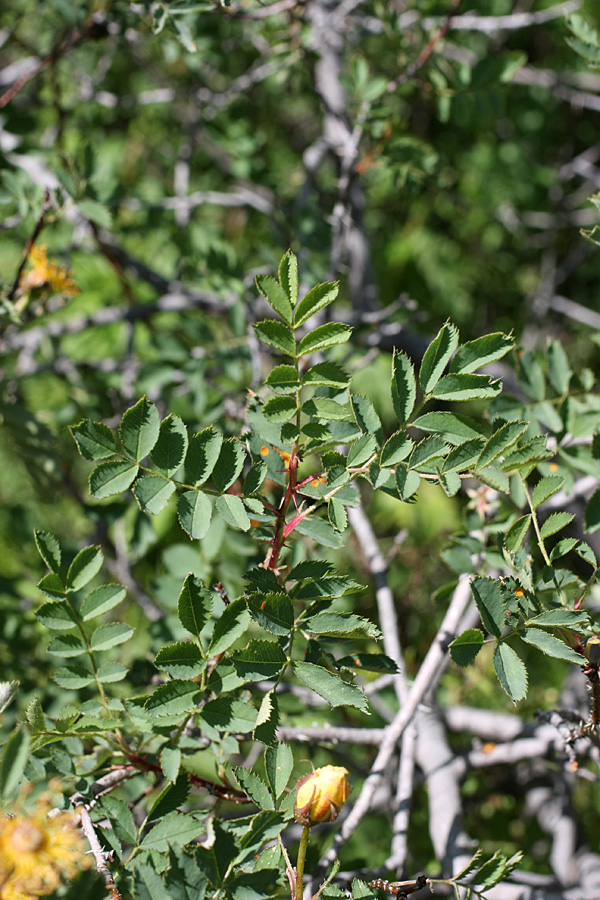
pixel 178 143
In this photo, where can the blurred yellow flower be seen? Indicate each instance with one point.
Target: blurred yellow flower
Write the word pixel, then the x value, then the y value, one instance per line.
pixel 321 795
pixel 47 273
pixel 37 853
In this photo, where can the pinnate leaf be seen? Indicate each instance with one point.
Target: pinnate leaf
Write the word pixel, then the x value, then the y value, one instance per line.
pixel 556 522
pixel 195 605
pixel 229 464
pixel 466 646
pixel 202 455
pixel 330 686
pixel 152 493
pixel 466 387
pixel 110 635
pixel 139 429
pixel 49 549
pixel 511 672
pixel 437 357
pixel 516 533
pixel 112 478
pixel 276 335
pixel 171 447
pixel 194 511
pixel 317 298
pixel 480 352
pixel 404 386
pixel 276 296
pixel 94 440
pixel 546 488
pixel 490 603
pixel 288 276
pixel 323 337
pixel 550 645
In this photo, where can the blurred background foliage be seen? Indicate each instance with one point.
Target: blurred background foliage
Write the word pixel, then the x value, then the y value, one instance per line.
pixel 169 151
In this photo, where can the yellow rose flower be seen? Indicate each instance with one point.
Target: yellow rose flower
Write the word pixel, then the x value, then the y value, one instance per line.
pixel 321 794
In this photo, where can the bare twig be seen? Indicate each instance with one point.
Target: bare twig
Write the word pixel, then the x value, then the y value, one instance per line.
pixel 99 854
pixel 427 678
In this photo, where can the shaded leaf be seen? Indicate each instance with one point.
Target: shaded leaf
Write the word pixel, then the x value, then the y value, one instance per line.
pixel 139 429
pixel 194 511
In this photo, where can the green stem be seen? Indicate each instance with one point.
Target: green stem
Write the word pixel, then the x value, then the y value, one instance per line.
pixel 300 864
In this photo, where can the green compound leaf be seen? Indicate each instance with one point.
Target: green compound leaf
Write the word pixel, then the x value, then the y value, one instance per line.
pixel 323 337
pixel 555 522
pixel 466 646
pixel 346 625
pixel 173 698
pixel 279 762
pixel 276 335
pixel 111 672
pixel 259 661
pixel 530 453
pixel 337 515
pixel 506 436
pixel 231 509
pixel 404 386
pixel 84 567
pixel 546 488
pixel 329 686
pixel 194 511
pixel 232 623
pixel 283 379
pixel 94 440
pixel 225 714
pixel 280 409
pixel 202 455
pixel 57 616
pixel 327 374
pixel 362 450
pixel 107 636
pixel 317 298
pixel 67 646
pixel 52 586
pixel 152 493
pixel 49 549
pixel 139 429
pixel 466 387
pixel 272 611
pixel 432 447
pixel 170 763
pixel 276 296
pixel 171 447
pixel 195 605
pixel 395 449
pixel 112 478
pixel 550 645
pixel 325 408
pixel 100 600
pixel 255 477
pixel 254 787
pixel 463 457
pixel 555 618
pixel 121 818
pixel 182 660
pixel 454 429
pixel 480 352
pixel 516 534
pixel 229 464
pixel 365 414
pixel 437 356
pixel 407 482
pixel 490 603
pixel 288 276
pixel 73 677
pixel 511 672
pixel 175 830
pixel 267 719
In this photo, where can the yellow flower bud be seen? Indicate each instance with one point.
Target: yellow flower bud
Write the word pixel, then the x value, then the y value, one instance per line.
pixel 320 795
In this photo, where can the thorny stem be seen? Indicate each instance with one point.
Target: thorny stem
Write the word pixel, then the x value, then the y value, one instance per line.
pixel 300 863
